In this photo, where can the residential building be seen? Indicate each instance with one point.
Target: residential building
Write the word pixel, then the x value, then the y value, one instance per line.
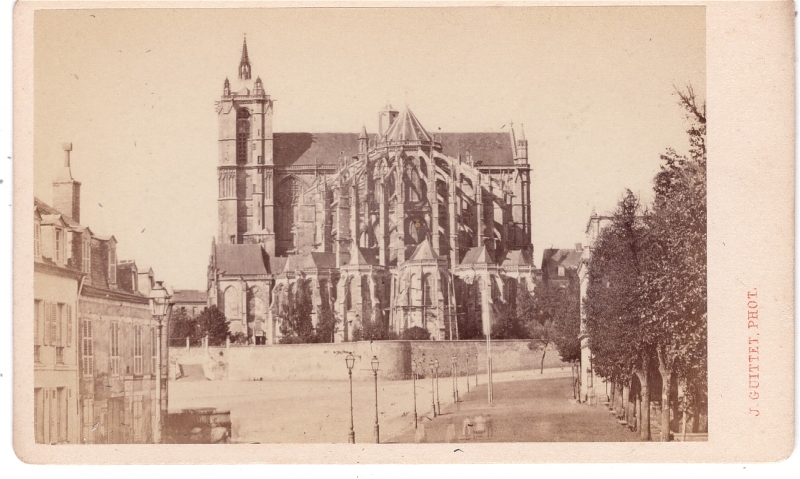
pixel 95 375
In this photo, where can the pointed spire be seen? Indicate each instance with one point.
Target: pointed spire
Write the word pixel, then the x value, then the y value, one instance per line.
pixel 244 63
pixel 363 135
pixel 521 132
pixel 226 87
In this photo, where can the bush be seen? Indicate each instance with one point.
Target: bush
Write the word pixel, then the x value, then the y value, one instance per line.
pixel 239 338
pixel 416 334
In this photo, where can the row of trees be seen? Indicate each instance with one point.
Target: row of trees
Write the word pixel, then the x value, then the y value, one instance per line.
pixel 646 295
pixel 210 322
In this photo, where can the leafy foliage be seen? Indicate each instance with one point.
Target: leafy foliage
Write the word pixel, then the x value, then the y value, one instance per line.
pixel 567 325
pixel 646 298
pixel 296 326
pixel 416 333
pixel 211 322
pixel 373 330
pixel 183 326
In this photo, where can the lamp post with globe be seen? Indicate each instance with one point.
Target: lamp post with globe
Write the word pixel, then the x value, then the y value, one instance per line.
pixel 350 360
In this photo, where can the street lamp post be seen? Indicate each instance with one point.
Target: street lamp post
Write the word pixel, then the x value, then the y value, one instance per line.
pixel 414 380
pixel 433 403
pixel 376 432
pixel 438 406
pixel 350 360
pixel 455 375
pixel 160 306
pixel 466 372
pixel 476 369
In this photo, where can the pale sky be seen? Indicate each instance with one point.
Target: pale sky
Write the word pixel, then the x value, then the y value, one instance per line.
pixel 134 91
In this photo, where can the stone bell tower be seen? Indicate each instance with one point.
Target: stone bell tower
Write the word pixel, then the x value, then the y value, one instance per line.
pixel 245 168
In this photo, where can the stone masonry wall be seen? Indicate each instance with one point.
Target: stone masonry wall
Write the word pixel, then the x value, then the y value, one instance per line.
pixel 327 361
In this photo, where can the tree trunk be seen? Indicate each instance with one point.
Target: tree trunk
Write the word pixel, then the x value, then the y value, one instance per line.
pixel 666 384
pixel 644 378
pixel 541 366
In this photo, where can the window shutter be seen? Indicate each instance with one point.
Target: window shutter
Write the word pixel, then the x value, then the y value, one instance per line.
pixel 69 325
pixel 59 324
pixel 46 319
pixel 36 318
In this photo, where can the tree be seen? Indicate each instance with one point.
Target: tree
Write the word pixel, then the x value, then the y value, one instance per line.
pixel 567 326
pixel 296 326
pixel 184 326
pixel 373 330
pixel 211 322
pixel 542 337
pixel 621 338
pixel 674 290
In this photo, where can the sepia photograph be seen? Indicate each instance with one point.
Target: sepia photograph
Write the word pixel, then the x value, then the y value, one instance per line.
pixel 395 226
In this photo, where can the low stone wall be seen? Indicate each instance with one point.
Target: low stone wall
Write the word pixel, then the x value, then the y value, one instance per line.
pixel 327 361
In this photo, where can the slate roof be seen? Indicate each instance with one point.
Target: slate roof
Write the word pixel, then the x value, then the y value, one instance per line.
pixel 423 252
pixel 518 258
pixel 492 149
pixel 406 127
pixel 478 255
pixel 364 256
pixel 190 296
pixel 45 209
pixel 302 149
pixel 241 259
pixel 313 260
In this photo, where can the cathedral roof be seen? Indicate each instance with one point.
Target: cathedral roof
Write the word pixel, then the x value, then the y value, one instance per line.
pixel 189 296
pixel 478 255
pixel 423 251
pixel 363 256
pixel 240 259
pixel 491 149
pixel 299 149
pixel 310 148
pixel 518 258
pixel 407 128
pixel 313 260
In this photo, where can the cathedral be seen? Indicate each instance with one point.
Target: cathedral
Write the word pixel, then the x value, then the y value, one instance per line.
pixel 398 227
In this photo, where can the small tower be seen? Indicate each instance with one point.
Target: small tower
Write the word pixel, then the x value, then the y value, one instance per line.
pixel 244 63
pixel 67 191
pixel 521 148
pixel 385 119
pixel 258 88
pixel 226 88
pixel 363 140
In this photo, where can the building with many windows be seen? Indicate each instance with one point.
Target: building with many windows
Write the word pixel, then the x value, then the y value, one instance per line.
pixel 95 374
pixel 391 227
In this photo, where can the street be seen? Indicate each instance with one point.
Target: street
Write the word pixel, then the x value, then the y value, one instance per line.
pixel 528 407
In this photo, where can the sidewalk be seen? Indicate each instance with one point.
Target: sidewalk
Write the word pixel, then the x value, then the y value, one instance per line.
pixel 525 410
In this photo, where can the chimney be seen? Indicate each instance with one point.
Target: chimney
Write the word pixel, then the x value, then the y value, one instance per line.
pixel 67 191
pixel 578 247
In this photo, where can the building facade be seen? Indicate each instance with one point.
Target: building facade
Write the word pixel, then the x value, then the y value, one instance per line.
pixel 95 375
pixel 592 386
pixel 389 227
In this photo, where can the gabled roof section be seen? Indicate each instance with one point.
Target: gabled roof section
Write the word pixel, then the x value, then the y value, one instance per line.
pixel 518 257
pixel 423 251
pixel 56 220
pixel 190 296
pixel 241 259
pixel 478 255
pixel 363 256
pixel 45 209
pixel 407 128
pixel 313 260
pixel 303 149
